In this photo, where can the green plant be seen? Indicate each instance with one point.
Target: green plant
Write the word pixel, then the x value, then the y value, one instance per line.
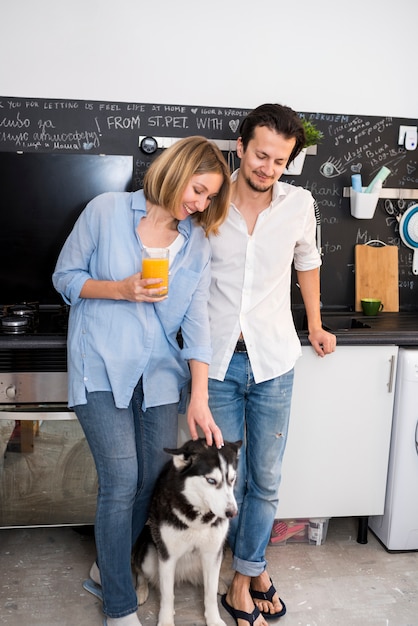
pixel 312 133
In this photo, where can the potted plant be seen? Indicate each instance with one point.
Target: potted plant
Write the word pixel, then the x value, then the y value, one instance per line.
pixel 313 137
pixel 312 133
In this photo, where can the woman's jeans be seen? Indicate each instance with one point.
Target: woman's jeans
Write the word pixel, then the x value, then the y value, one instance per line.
pixel 259 415
pixel 127 446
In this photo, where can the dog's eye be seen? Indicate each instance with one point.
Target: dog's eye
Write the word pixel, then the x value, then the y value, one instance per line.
pixel 211 481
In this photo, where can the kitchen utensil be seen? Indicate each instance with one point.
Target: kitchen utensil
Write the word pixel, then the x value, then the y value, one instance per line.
pixel 318 227
pixel 376 274
pixel 408 230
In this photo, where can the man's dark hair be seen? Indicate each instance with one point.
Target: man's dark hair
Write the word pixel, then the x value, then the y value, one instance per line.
pixel 281 119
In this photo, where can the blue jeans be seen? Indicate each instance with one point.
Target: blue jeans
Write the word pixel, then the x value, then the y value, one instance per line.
pixel 259 415
pixel 127 447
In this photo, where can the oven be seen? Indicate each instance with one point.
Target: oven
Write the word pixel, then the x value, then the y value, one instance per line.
pixel 47 474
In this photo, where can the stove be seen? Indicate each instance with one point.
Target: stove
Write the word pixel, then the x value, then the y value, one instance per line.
pixel 47 473
pixel 33 355
pixel 42 445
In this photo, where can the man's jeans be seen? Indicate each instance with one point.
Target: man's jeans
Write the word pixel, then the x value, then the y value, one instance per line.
pixel 259 415
pixel 127 446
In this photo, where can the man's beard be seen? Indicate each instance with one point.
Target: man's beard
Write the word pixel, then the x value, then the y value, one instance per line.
pixel 255 187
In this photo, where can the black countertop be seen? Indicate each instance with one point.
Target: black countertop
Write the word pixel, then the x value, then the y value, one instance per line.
pixel 353 329
pixel 32 342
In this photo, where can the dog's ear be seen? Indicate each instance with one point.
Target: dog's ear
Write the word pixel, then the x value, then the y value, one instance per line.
pixel 183 457
pixel 181 461
pixel 235 445
pixel 231 450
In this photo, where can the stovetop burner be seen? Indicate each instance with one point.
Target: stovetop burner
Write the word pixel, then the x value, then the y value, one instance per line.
pixel 27 318
pixel 16 324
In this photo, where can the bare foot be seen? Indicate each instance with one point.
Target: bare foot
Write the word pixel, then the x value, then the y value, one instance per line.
pixel 262 584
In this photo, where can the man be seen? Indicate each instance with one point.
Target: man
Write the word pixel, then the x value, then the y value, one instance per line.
pixel 270 225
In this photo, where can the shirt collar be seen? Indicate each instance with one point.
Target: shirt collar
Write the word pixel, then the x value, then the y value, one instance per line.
pixel 279 188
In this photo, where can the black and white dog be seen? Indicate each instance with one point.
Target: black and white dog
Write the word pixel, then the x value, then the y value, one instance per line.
pixel 189 518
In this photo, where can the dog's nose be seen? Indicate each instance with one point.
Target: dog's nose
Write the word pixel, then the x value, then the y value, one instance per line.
pixel 230 513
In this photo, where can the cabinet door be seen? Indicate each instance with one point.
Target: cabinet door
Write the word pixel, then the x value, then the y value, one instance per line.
pixel 336 459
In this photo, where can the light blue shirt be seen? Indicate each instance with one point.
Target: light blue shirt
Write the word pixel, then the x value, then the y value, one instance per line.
pixel 112 343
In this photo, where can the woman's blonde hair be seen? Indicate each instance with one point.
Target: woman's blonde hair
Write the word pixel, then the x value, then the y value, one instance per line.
pixel 169 174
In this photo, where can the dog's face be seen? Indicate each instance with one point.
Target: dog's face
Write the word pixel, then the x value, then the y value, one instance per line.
pixel 208 476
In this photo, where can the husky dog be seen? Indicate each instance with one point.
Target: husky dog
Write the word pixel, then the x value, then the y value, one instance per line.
pixel 188 522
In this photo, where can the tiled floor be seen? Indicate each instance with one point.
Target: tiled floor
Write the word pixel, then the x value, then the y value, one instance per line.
pixel 341 583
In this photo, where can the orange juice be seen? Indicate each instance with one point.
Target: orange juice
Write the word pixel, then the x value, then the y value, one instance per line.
pixel 156 268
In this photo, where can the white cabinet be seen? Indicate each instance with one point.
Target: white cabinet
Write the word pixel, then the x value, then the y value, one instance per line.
pixel 336 459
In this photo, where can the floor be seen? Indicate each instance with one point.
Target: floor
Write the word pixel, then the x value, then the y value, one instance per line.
pixel 339 583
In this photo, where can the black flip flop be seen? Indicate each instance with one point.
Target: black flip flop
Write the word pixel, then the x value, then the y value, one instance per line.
pixel 236 614
pixel 268 597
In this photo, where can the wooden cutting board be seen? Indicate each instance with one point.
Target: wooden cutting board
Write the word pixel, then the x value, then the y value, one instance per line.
pixel 377 275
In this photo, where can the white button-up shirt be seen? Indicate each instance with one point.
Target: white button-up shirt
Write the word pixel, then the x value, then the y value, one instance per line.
pixel 250 288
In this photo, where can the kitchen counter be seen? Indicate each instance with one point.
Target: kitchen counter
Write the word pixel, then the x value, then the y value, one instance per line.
pixel 32 342
pixel 353 328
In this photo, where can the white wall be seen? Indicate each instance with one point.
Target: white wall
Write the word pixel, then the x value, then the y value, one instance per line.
pixel 326 56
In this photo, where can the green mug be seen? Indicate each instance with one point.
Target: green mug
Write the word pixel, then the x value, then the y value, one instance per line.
pixel 371 306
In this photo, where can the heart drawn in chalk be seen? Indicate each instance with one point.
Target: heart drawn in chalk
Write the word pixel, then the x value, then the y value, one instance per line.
pixel 194 111
pixel 233 125
pixel 87 146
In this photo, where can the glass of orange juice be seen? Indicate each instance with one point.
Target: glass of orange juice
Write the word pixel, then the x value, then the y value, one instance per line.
pixel 155 265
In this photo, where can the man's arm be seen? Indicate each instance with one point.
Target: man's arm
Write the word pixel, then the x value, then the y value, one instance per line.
pixel 322 341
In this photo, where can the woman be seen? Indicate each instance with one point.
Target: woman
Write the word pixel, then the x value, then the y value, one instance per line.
pixel 127 373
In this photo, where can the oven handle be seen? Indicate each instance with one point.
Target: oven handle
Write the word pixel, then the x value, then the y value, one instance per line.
pixel 17 414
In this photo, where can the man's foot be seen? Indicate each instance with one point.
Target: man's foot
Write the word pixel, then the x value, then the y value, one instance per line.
pixel 241 616
pixel 239 603
pixel 266 598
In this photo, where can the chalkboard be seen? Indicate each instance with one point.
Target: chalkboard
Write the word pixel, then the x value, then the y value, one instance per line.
pixel 359 144
pixel 351 144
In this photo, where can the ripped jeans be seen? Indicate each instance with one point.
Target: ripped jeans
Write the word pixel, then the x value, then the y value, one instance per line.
pixel 259 415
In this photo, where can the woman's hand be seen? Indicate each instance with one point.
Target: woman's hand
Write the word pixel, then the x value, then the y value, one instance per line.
pixel 133 288
pixel 199 414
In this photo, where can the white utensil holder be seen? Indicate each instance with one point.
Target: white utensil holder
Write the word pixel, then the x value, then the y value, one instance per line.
pixel 363 205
